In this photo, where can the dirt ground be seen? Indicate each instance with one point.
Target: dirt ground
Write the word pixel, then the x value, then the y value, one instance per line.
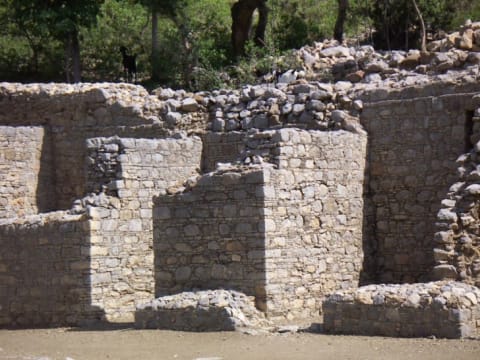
pixel 68 344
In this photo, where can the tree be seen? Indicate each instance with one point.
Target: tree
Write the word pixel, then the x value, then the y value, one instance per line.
pixel 399 26
pixel 341 17
pixel 242 14
pixel 422 23
pixel 168 8
pixel 63 19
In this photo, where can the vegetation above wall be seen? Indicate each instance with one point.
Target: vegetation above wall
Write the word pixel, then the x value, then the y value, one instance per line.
pixel 187 43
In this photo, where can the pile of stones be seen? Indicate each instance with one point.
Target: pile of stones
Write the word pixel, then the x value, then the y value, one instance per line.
pixel 467 38
pixel 441 309
pixel 311 105
pixel 208 310
pixel 459 50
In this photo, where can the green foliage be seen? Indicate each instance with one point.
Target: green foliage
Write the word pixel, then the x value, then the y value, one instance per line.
pixel 398 26
pixel 194 36
pixel 119 23
pixel 465 9
pixel 25 52
pixel 296 23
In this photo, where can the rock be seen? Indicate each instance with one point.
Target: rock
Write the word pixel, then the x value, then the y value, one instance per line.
pixel 218 125
pixel 444 271
pixel 287 77
pixel 411 60
pixel 338 116
pixel 288 329
pixel 376 66
pixel 335 51
pixel 173 118
pixel 342 86
pixel 447 215
pixel 465 40
pixel 355 77
pixel 189 105
pixel 372 78
pixel 473 189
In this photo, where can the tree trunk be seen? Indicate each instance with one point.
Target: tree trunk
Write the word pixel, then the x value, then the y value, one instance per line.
pixel 72 58
pixel 341 16
pixel 242 14
pixel 155 46
pixel 76 62
pixel 422 24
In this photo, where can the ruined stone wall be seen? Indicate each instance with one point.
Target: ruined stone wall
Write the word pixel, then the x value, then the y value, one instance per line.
pixel 71 114
pixel 415 136
pixel 457 240
pixel 313 219
pixel 26 171
pixel 122 226
pixel 212 235
pixel 288 233
pixel 45 274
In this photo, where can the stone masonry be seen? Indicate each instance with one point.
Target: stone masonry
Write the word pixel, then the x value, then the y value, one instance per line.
pixel 111 197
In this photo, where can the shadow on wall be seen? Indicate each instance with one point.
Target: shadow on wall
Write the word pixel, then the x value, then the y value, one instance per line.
pixel 368 273
pixel 413 145
pixel 45 190
pixel 211 238
pixel 45 274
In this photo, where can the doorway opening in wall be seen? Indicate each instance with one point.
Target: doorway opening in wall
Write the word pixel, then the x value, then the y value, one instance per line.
pixel 468 130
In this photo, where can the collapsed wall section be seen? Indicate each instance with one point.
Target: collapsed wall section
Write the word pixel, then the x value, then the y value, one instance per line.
pixel 415 136
pixel 45 277
pixel 131 172
pixel 26 171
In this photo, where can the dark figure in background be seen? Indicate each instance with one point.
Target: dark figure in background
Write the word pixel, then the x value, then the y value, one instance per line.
pixel 129 65
pixel 242 14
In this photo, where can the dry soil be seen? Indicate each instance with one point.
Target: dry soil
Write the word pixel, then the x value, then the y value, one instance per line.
pixel 68 344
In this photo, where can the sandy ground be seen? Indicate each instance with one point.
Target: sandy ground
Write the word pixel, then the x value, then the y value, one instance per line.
pixel 68 344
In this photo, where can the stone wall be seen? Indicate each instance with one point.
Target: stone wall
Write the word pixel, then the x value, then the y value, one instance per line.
pixel 45 274
pixel 133 172
pixel 221 148
pixel 439 309
pixel 26 172
pixel 313 219
pixel 288 235
pixel 74 113
pixel 457 240
pixel 415 136
pixel 212 236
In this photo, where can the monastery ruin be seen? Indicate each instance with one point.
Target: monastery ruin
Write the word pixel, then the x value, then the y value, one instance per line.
pixel 301 195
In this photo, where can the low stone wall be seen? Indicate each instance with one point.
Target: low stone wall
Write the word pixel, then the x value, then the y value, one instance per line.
pixel 217 310
pixel 45 271
pixel 26 171
pixel 441 309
